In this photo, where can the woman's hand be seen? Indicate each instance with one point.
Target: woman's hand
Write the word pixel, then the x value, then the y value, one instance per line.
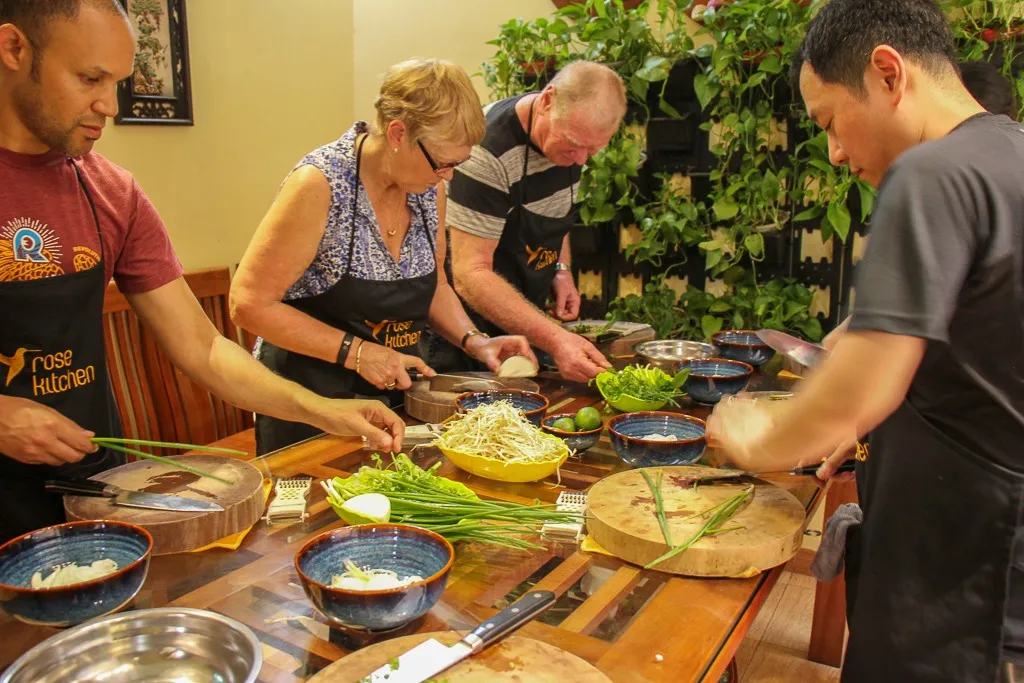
pixel 385 368
pixel 494 350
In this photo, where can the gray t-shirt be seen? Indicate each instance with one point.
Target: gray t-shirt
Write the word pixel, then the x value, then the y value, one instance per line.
pixel 945 263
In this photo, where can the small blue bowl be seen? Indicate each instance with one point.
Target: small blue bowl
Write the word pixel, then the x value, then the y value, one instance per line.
pixel 405 550
pixel 83 543
pixel 712 378
pixel 627 434
pixel 744 346
pixel 532 404
pixel 577 441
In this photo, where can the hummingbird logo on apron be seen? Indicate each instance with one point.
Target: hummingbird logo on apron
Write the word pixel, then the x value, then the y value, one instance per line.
pixel 540 257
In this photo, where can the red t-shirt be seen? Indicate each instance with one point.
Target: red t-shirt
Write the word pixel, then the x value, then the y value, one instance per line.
pixel 47 228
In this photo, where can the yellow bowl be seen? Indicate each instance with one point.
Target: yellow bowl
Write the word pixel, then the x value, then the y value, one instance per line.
pixel 499 470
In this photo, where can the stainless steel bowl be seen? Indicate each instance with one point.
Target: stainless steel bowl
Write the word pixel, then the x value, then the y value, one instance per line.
pixel 664 352
pixel 162 645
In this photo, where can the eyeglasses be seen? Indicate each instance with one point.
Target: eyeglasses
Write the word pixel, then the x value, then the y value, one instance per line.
pixel 438 168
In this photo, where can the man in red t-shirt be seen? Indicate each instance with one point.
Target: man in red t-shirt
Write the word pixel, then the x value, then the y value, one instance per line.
pixel 70 221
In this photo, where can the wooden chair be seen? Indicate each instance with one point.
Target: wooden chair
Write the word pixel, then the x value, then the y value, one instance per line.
pixel 155 399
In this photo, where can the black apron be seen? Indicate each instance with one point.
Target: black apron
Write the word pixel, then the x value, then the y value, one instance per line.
pixel 929 570
pixel 52 341
pixel 529 247
pixel 392 313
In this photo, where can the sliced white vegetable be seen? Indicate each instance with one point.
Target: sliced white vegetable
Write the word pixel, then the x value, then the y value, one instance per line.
pixel 517 366
pixel 369 508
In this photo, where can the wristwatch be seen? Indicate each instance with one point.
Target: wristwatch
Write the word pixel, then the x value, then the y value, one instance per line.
pixel 473 333
pixel 561 266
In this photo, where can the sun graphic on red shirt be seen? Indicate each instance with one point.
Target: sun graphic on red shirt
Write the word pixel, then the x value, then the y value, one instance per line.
pixel 45 255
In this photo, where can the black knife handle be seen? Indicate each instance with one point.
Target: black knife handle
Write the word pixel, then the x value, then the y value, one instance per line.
pixel 416 376
pixel 809 470
pixel 513 617
pixel 79 487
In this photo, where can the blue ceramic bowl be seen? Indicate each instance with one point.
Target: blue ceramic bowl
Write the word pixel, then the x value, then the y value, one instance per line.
pixel 627 434
pixel 744 346
pixel 405 550
pixel 83 543
pixel 577 441
pixel 712 378
pixel 532 404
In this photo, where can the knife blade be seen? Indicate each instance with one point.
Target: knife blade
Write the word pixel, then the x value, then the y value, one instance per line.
pixel 806 470
pixel 431 657
pixel 802 352
pixel 456 383
pixel 133 499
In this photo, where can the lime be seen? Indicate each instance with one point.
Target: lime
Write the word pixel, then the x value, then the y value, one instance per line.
pixel 587 419
pixel 368 508
pixel 564 424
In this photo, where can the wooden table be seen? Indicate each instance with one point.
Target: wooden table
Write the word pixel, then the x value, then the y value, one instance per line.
pixel 612 614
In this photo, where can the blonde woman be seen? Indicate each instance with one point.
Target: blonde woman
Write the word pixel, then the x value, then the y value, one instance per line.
pixel 346 269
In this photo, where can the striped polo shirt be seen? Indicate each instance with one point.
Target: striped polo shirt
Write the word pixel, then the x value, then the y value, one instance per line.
pixel 484 189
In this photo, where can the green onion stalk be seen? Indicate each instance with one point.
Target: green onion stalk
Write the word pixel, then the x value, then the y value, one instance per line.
pixel 717 517
pixel 422 498
pixel 125 446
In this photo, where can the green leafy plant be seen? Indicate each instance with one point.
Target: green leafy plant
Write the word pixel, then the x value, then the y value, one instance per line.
pixel 743 72
pixel 668 224
pixel 782 304
pixel 991 30
pixel 606 184
pixel 527 50
pixel 825 188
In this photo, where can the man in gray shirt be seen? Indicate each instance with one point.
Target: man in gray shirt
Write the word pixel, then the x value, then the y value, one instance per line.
pixel 933 362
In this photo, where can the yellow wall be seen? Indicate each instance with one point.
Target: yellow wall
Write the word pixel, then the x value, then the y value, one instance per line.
pixel 390 31
pixel 271 80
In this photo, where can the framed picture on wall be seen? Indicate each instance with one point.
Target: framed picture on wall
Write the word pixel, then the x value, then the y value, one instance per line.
pixel 159 91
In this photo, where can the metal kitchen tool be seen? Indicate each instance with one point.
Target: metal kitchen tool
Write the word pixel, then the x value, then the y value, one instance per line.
pixel 802 352
pixel 432 657
pixel 568 501
pixel 289 502
pixel 455 383
pixel 805 471
pixel 133 499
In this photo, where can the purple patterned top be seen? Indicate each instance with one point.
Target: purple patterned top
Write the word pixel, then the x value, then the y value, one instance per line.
pixel 371 258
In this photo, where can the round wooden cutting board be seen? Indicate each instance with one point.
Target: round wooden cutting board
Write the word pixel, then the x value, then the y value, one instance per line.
pixel 175 532
pixel 437 406
pixel 522 660
pixel 622 519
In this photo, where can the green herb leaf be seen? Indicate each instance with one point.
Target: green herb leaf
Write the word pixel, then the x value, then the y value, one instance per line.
pixel 725 209
pixel 839 217
pixel 754 242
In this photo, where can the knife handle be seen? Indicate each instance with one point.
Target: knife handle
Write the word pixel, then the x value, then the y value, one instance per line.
pixel 416 375
pixel 513 617
pixel 809 470
pixel 80 487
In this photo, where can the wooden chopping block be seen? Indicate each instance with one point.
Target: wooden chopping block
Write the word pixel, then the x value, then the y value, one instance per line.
pixel 518 659
pixel 176 532
pixel 622 519
pixel 437 406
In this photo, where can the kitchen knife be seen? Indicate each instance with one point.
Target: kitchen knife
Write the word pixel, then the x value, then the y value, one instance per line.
pixel 132 499
pixel 802 352
pixel 432 657
pixel 805 471
pixel 455 383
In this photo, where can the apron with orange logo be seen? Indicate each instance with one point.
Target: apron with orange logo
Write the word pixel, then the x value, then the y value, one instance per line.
pixel 52 352
pixel 392 313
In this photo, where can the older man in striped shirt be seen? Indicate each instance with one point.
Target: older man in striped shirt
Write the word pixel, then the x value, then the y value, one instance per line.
pixel 512 203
